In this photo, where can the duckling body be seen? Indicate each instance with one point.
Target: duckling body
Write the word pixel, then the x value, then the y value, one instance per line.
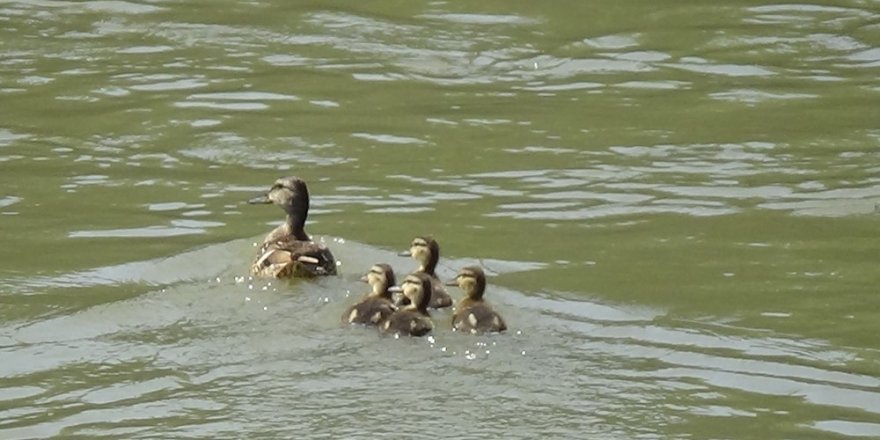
pixel 426 251
pixel 287 251
pixel 413 319
pixel 376 306
pixel 473 314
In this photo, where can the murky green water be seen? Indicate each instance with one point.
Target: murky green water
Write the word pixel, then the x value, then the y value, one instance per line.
pixel 677 202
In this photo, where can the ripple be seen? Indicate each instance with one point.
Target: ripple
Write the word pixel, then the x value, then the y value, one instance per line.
pixel 589 195
pixel 655 85
pixel 482 19
pixel 871 57
pixel 131 390
pixel 180 84
pixel 235 106
pixel 389 139
pixel 145 232
pixel 8 137
pixel 729 192
pixel 577 85
pixel 9 201
pixel 613 210
pixel 621 41
pixel 848 428
pixel 145 49
pixel 700 65
pixel 751 96
pixel 287 60
pixel 120 7
pixel 244 96
pixel 232 149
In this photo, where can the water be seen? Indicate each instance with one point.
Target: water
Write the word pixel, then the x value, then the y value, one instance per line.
pixel 676 204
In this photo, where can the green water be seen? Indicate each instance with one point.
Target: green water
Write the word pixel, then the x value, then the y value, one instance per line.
pixel 676 202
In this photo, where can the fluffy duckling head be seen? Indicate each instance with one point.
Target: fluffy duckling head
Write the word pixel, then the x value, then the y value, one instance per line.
pixel 417 288
pixel 471 280
pixel 426 251
pixel 381 278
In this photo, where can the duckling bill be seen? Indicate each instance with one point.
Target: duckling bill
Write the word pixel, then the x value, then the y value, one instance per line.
pixel 376 306
pixel 288 251
pixel 412 320
pixel 473 314
pixel 426 251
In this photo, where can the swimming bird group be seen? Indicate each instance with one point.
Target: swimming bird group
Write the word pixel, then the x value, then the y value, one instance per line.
pixel 287 251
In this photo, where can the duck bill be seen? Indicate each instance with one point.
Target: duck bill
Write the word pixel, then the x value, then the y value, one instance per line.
pixel 405 253
pixel 451 283
pixel 260 200
pixel 395 289
pixel 363 279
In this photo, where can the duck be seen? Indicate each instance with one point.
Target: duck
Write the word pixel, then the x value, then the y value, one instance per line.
pixel 287 251
pixel 472 313
pixel 375 306
pixel 413 319
pixel 426 251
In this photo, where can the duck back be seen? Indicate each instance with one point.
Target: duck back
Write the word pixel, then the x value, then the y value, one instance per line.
pixel 407 323
pixel 371 311
pixel 439 297
pixel 478 318
pixel 294 258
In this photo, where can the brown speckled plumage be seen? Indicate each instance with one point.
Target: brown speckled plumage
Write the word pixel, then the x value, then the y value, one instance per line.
pixel 288 251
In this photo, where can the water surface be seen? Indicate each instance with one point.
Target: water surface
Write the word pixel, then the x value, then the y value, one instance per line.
pixel 677 206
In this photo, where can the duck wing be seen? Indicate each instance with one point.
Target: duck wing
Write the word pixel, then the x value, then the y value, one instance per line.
pixel 294 258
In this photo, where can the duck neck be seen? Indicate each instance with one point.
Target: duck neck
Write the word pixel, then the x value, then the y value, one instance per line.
pixel 380 290
pixel 429 265
pixel 467 302
pixel 296 222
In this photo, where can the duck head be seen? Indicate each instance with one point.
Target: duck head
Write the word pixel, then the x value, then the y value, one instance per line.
pixel 426 251
pixel 471 280
pixel 381 279
pixel 292 195
pixel 417 288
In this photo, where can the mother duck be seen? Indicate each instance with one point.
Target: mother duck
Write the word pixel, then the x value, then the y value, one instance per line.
pixel 288 251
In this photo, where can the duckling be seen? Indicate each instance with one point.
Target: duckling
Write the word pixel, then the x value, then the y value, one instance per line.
pixel 473 314
pixel 412 320
pixel 376 306
pixel 426 251
pixel 288 251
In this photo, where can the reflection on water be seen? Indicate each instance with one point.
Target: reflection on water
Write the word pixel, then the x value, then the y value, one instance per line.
pixel 677 207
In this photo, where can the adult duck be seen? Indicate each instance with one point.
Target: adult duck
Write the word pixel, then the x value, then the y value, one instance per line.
pixel 288 251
